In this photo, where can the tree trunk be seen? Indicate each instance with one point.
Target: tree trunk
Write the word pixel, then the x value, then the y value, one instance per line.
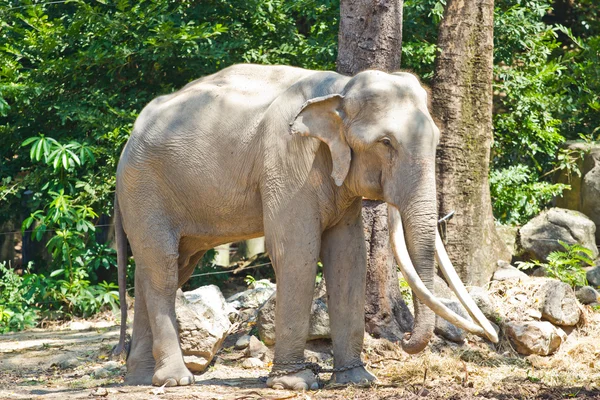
pixel 370 36
pixel 462 105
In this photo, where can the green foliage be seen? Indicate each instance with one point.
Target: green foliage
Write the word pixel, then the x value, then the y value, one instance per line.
pixel 16 300
pixel 517 195
pixel 566 266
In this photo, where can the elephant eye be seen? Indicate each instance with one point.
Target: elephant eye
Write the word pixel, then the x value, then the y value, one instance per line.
pixel 386 141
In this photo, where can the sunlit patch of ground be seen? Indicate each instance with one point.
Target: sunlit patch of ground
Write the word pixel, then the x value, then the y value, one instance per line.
pixel 63 364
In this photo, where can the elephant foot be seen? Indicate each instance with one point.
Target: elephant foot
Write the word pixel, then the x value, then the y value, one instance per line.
pixel 172 373
pixel 140 372
pixel 356 376
pixel 302 380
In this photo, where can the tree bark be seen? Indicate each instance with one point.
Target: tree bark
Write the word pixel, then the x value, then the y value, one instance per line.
pixel 370 36
pixel 462 106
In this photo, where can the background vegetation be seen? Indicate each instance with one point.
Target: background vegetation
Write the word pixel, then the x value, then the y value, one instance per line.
pixel 74 75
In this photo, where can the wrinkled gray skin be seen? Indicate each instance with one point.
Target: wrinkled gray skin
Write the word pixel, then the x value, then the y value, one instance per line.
pixel 286 153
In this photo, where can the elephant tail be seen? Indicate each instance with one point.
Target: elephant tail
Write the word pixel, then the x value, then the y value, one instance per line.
pixel 121 241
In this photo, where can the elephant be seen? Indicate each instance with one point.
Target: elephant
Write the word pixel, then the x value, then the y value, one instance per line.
pixel 286 153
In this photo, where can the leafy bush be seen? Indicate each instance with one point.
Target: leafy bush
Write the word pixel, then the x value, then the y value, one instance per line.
pixel 17 297
pixel 517 194
pixel 566 266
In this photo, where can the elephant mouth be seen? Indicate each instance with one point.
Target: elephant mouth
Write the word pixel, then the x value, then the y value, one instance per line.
pixel 482 327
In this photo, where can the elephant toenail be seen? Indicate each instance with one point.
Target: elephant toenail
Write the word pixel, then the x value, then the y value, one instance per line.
pixel 314 386
pixel 278 386
pixel 170 382
pixel 188 380
pixel 300 386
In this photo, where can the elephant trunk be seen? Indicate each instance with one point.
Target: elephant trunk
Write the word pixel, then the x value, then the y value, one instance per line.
pixel 419 215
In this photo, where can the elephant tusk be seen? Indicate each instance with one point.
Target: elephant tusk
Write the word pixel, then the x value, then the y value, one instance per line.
pixel 459 289
pixel 414 281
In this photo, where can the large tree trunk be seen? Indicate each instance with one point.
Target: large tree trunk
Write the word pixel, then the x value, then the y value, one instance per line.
pixel 370 36
pixel 462 105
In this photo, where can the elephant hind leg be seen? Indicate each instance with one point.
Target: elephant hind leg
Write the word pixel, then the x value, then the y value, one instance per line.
pixel 140 362
pixel 157 280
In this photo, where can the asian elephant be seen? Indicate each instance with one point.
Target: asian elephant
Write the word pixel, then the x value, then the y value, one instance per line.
pixel 287 153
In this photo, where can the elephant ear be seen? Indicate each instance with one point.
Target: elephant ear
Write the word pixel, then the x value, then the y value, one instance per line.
pixel 320 118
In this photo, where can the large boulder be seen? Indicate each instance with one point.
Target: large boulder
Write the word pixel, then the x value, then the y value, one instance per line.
pixel 535 337
pixel 540 236
pixel 319 318
pixel 584 195
pixel 203 319
pixel 559 304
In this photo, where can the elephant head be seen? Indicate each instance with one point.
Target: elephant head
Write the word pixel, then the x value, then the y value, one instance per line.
pixel 382 141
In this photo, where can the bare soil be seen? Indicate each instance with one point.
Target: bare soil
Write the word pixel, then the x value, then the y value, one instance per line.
pixel 63 363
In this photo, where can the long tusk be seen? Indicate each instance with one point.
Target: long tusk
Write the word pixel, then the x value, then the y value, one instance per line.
pixel 414 281
pixel 457 286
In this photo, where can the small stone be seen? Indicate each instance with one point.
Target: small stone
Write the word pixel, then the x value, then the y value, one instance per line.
pixel 539 272
pixel 100 373
pixel 587 295
pixel 506 271
pixel 534 314
pixel 68 361
pixel 196 363
pixel 256 348
pixel 535 337
pixel 482 300
pixel 242 342
pixel 99 392
pixel 593 276
pixel 112 365
pixel 252 362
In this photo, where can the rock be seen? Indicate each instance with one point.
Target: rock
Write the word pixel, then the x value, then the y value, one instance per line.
pixel 506 271
pixel 559 304
pixel 535 337
pixel 111 365
pixel 593 276
pixel 256 348
pixel 441 289
pixel 196 363
pixel 319 318
pixel 66 361
pixel 587 295
pixel 202 316
pixel 508 234
pixel 242 342
pixel 540 236
pixel 584 195
pixel 100 373
pixel 539 272
pixel 253 298
pixel 445 328
pixel 252 362
pixel 482 299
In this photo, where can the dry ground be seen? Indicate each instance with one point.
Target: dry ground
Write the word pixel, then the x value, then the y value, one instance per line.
pixel 58 363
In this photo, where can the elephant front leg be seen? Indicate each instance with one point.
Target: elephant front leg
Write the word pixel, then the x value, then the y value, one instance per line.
pixel 344 258
pixel 294 250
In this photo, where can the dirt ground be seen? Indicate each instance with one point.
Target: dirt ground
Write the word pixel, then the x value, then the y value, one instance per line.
pixel 63 363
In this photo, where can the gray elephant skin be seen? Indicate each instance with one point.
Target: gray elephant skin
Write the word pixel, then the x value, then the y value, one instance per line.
pixel 287 153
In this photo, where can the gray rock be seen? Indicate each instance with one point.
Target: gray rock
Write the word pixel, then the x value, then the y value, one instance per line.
pixel 250 363
pixel 256 348
pixel 242 342
pixel 441 289
pixel 319 318
pixel 482 300
pixel 540 236
pixel 584 195
pixel 587 295
pixel 66 361
pixel 508 234
pixel 446 329
pixel 202 316
pixel 506 271
pixel 253 298
pixel 593 276
pixel 559 304
pixel 100 373
pixel 535 337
